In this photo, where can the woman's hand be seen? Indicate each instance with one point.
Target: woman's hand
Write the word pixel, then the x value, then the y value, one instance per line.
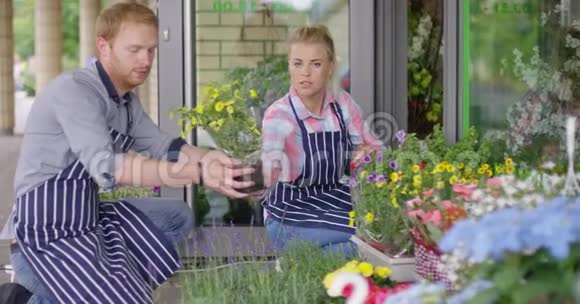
pixel 361 151
pixel 218 173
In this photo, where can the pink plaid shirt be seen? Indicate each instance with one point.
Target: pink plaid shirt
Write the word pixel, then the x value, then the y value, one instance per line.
pixel 283 154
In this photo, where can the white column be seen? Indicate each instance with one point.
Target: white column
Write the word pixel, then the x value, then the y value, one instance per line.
pixel 6 68
pixel 48 41
pixel 89 11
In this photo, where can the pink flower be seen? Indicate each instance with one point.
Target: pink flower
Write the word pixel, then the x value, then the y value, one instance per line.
pixel 464 190
pixel 494 181
pixel 416 202
pixel 416 214
pixel 428 193
pixel 433 217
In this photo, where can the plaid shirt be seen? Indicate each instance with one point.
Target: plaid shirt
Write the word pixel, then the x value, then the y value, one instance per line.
pixel 283 154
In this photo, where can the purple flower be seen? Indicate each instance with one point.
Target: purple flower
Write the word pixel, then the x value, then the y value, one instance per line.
pixel 401 135
pixel 380 157
pixel 393 165
pixel 371 178
pixel 156 189
pixel 381 179
pixel 366 159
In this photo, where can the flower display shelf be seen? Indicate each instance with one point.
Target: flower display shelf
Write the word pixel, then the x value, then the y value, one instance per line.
pixel 403 268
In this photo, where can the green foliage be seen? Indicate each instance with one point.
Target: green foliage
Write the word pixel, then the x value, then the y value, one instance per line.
pixel 270 79
pixel 126 192
pixel 530 278
pixel 24 12
pixel 300 281
pixel 225 112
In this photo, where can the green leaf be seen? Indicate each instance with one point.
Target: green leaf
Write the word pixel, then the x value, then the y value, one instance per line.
pixel 435 233
pixel 487 296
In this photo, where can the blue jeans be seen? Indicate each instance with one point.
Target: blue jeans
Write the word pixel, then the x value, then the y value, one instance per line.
pixel 174 218
pixel 330 241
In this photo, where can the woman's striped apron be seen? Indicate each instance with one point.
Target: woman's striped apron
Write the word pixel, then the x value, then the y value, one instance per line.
pixel 316 198
pixel 86 251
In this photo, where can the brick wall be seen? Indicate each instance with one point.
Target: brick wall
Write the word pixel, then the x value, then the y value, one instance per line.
pixel 233 39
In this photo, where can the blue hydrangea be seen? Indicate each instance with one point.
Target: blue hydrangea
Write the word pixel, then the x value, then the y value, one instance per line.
pixel 419 293
pixel 553 226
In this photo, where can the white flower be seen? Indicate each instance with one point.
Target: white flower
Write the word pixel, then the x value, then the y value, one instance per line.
pixel 572 42
pixel 544 18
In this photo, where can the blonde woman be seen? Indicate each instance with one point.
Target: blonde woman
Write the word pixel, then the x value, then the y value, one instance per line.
pixel 308 139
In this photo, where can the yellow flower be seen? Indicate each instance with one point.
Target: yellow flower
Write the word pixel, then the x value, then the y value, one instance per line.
pixel 463 181
pixel 481 170
pixel 417 179
pixel 199 109
pixel 509 162
pixel 379 185
pixel 509 170
pixel 351 265
pixel 351 223
pixel 370 218
pixel 230 109
pixel 440 185
pixel 440 168
pixel 383 272
pixel 489 173
pixel 365 269
pixel 394 177
pixel 351 214
pixel 229 102
pixel 415 168
pixel 461 165
pixel 363 174
pixel 453 180
pixel 220 122
pixel 394 202
pixel 253 93
pixel 214 125
pixel 485 166
pixel 450 168
pixel 328 278
pixel 219 106
pixel 213 93
pixel 255 130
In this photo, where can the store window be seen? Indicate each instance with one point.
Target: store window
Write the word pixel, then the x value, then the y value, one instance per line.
pixel 244 41
pixel 424 66
pixel 522 71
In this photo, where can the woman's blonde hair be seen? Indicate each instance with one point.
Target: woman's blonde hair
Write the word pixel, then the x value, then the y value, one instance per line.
pixel 110 20
pixel 314 34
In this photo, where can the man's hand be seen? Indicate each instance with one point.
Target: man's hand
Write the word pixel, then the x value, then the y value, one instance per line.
pixel 219 172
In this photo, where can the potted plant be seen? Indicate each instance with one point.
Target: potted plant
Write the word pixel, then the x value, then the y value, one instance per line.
pixel 226 113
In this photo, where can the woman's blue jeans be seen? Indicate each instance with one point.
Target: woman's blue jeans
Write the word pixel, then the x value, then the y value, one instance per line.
pixel 334 242
pixel 174 218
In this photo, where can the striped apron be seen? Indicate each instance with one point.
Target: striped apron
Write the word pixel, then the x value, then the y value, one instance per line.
pixel 85 251
pixel 316 198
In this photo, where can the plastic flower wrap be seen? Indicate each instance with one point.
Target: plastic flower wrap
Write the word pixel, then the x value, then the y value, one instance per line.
pixel 376 279
pixel 227 114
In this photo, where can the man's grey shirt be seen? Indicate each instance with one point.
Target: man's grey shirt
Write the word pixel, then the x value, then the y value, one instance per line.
pixel 70 120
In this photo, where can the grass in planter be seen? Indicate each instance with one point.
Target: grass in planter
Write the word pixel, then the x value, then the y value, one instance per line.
pixel 300 281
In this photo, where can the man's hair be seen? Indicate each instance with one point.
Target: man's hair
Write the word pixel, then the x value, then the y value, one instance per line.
pixel 110 20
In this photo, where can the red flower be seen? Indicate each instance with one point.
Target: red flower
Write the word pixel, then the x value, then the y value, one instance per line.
pixel 352 165
pixel 422 165
pixel 347 291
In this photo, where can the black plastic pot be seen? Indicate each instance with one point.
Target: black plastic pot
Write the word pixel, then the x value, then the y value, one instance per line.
pixel 257 177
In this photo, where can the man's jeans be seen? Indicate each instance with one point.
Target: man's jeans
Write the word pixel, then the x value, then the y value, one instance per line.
pixel 330 241
pixel 174 218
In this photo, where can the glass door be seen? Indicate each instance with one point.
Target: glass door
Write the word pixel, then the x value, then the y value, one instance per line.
pixel 243 43
pixel 521 70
